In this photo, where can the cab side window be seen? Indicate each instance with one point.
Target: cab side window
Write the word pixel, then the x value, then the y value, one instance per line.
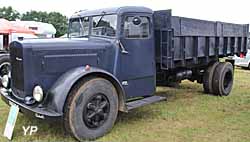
pixel 137 27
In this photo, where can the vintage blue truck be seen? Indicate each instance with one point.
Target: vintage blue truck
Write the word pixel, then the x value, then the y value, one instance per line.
pixel 112 56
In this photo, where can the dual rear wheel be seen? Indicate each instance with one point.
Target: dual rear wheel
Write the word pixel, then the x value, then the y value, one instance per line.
pixel 218 79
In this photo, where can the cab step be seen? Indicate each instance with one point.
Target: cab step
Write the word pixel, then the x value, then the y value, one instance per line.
pixel 143 102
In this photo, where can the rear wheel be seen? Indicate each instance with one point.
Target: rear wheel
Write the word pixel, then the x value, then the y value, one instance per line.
pixel 223 79
pixel 91 109
pixel 208 78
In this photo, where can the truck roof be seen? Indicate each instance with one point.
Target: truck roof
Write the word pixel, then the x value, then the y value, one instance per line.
pixel 116 10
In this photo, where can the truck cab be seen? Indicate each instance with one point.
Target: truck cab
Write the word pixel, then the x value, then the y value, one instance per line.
pixel 130 33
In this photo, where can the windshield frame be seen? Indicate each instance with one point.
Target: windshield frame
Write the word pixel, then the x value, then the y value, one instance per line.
pixel 91 26
pixel 80 19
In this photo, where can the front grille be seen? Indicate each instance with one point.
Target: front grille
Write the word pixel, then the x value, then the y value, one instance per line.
pixel 16 57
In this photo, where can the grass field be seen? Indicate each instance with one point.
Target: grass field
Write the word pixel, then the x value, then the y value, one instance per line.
pixel 187 115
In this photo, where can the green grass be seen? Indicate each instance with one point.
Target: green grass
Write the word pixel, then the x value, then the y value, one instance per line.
pixel 187 115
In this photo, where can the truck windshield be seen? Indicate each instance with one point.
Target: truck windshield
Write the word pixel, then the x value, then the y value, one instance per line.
pixel 79 27
pixel 104 25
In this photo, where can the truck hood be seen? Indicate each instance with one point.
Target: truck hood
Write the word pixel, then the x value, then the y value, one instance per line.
pixel 43 61
pixel 64 43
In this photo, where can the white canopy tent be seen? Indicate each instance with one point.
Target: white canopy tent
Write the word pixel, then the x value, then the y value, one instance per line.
pixel 12 32
pixel 41 29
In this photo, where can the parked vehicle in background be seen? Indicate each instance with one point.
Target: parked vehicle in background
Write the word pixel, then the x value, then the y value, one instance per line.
pixel 243 61
pixel 113 56
pixel 8 34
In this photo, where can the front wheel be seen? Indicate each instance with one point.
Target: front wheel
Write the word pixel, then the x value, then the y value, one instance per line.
pixel 91 109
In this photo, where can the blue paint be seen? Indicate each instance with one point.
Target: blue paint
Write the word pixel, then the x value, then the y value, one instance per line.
pixel 166 46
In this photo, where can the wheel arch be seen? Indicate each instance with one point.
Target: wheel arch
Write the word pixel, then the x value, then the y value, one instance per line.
pixel 114 81
pixel 58 94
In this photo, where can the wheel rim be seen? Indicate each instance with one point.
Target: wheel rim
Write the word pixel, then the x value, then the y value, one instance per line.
pixel 5 69
pixel 96 111
pixel 227 83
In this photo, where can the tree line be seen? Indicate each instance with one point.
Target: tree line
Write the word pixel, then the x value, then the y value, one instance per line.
pixel 59 21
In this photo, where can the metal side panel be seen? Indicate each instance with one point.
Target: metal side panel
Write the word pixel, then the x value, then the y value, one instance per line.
pixel 143 102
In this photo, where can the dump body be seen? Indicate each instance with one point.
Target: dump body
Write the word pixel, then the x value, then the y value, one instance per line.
pixel 186 43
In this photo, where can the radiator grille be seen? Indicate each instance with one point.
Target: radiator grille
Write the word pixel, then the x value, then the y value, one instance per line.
pixel 17 76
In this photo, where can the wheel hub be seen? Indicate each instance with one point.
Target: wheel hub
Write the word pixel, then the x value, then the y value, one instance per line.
pixel 228 80
pixel 96 111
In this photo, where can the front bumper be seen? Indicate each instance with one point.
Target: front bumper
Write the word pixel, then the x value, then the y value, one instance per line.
pixel 35 110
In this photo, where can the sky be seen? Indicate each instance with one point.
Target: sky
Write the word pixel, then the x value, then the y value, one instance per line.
pixel 234 11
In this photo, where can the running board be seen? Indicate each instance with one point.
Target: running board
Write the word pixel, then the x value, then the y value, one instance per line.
pixel 143 102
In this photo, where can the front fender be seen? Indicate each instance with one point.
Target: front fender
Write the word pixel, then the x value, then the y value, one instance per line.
pixel 58 93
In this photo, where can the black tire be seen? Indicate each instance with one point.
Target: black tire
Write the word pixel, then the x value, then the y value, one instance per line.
pixel 249 66
pixel 4 65
pixel 4 60
pixel 83 118
pixel 223 79
pixel 208 78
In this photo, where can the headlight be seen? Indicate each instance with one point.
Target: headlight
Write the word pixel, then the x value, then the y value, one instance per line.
pixel 5 81
pixel 38 93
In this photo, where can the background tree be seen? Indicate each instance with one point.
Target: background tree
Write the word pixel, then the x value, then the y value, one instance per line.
pixel 55 18
pixel 59 21
pixel 35 16
pixel 9 13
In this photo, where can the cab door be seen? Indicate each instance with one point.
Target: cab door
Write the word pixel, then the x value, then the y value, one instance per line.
pixel 137 59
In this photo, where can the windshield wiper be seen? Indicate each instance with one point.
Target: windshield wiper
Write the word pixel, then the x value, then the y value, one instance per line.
pixel 80 21
pixel 103 14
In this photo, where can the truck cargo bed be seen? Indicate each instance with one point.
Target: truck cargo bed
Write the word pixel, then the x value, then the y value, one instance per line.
pixel 186 42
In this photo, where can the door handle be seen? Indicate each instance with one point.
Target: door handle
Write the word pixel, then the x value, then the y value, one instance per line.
pixel 123 50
